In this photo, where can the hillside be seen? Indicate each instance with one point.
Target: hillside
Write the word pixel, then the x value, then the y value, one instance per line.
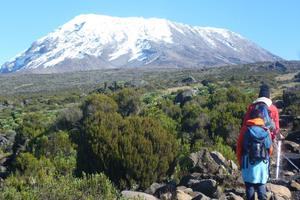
pixel 160 78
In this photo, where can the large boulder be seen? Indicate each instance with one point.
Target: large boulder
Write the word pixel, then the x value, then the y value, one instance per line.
pixel 218 158
pixel 137 195
pixel 279 190
pixel 204 161
pixel 184 96
pixel 208 187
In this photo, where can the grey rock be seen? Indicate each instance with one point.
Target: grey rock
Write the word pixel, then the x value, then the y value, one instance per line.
pixel 233 166
pixel 203 162
pixel 292 146
pixel 294 186
pixel 3 169
pixel 276 197
pixel 240 191
pixel 167 196
pixel 152 189
pixel 186 179
pixel 218 158
pixel 288 173
pixel 184 96
pixel 181 195
pixel 165 191
pixel 189 79
pixel 188 191
pixel 232 196
pixel 3 141
pixel 182 188
pixel 279 190
pixel 137 195
pixel 185 189
pixel 208 186
pixel 201 196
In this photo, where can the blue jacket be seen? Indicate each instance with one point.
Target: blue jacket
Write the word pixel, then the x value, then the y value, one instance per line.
pixel 257 172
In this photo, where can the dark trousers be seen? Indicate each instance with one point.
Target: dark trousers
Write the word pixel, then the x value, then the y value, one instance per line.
pixel 259 188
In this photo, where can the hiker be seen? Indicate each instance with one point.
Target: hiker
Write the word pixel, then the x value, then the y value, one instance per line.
pixel 264 97
pixel 255 160
pixel 261 120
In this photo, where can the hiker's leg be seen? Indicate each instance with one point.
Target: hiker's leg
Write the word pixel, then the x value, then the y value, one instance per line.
pixel 250 191
pixel 261 191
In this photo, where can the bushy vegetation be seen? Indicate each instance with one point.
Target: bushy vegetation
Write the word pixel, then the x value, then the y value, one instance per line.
pixel 131 151
pixel 29 187
pixel 91 144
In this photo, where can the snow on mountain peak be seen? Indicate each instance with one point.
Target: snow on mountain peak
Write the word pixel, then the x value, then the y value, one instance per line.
pixel 117 41
pixel 92 33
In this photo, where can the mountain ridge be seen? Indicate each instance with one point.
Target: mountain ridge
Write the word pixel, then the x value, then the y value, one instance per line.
pixel 101 42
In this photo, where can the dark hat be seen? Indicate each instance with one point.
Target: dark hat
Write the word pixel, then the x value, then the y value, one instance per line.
pixel 264 91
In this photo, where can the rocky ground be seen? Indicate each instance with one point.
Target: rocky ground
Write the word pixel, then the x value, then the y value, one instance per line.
pixel 214 177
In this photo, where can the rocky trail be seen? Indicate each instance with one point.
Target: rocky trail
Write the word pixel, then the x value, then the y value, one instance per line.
pixel 214 177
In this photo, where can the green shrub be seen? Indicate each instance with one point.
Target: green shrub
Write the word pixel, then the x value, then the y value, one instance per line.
pixel 27 165
pixel 93 187
pixel 165 121
pixel 131 151
pixel 224 149
pixel 128 101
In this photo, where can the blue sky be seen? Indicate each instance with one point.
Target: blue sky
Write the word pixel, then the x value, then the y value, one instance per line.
pixel 273 24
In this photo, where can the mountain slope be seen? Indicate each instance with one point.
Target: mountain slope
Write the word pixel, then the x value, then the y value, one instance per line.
pixel 97 42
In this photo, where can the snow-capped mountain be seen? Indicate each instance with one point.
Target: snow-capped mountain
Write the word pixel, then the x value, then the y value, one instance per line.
pixel 97 42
